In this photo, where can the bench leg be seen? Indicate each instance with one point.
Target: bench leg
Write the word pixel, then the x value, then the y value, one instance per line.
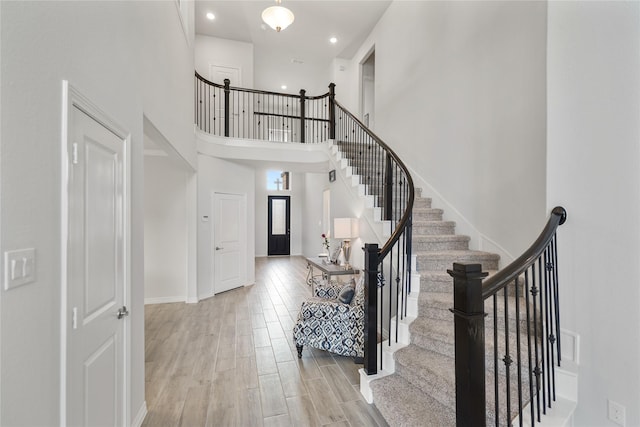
pixel 299 348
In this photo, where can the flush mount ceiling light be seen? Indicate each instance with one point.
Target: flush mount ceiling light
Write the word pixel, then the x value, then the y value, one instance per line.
pixel 277 17
pixel 333 40
pixel 211 16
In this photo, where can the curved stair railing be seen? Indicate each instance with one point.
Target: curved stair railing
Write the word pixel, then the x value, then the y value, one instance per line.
pixel 223 110
pixel 387 269
pixel 523 343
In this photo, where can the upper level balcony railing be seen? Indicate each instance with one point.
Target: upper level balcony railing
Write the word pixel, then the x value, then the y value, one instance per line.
pixel 236 112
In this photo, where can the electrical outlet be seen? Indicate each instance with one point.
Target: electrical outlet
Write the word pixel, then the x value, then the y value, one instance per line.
pixel 617 413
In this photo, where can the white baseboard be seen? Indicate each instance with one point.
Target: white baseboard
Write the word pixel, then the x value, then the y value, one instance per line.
pixel 142 412
pixel 164 300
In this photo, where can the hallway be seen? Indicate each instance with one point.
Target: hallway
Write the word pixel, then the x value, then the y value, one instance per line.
pixel 230 360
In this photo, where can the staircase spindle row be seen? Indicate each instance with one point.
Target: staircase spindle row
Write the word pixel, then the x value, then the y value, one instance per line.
pixel 531 341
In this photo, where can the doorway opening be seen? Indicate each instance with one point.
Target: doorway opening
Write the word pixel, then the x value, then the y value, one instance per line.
pixel 367 88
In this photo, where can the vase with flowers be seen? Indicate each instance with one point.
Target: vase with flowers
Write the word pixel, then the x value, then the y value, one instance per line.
pixel 325 244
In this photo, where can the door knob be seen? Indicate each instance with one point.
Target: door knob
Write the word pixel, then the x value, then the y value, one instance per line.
pixel 122 312
pixel 218 248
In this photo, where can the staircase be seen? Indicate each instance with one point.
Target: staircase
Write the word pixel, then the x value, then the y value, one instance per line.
pixel 416 383
pixel 421 388
pixel 421 391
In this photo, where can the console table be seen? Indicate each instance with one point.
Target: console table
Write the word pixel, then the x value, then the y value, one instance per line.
pixel 327 269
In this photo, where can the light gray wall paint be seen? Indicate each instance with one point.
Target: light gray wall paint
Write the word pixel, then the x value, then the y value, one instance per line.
pixel 594 172
pixel 120 55
pixel 165 230
pixel 465 107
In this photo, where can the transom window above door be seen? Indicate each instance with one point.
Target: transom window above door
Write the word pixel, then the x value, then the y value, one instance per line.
pixel 278 180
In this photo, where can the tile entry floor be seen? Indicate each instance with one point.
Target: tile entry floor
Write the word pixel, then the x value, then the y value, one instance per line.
pixel 230 361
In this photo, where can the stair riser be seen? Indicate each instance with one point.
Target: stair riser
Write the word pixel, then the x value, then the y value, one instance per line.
pixel 422 203
pixel 424 245
pixel 444 284
pixel 436 228
pixel 445 346
pixel 442 388
pixel 429 263
pixel 440 313
pixel 430 215
pixel 434 385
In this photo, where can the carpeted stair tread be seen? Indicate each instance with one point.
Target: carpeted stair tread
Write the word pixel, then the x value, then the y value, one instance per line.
pixel 436 305
pixel 427 370
pixel 407 406
pixel 438 336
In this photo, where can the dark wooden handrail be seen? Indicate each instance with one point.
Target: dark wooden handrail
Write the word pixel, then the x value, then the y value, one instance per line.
pixel 258 91
pixel 404 220
pixel 498 281
pixel 528 317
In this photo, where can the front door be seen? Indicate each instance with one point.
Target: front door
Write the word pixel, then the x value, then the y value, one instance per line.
pixel 279 238
pixel 96 280
pixel 229 235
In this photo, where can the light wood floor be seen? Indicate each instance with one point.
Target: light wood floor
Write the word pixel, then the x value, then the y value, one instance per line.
pixel 230 361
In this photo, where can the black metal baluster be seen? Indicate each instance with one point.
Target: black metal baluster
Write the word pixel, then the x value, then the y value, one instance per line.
pixel 556 289
pixel 543 326
pixel 518 349
pixel 391 294
pixel 495 360
pixel 409 232
pixel 551 372
pixel 530 370
pixel 507 357
pixel 537 372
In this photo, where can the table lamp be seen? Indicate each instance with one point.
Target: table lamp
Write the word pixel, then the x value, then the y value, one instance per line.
pixel 346 229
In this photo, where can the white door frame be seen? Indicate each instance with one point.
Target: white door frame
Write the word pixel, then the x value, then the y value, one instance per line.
pixel 71 98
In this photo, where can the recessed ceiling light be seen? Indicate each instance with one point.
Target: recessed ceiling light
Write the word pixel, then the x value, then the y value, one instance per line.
pixel 211 16
pixel 333 40
pixel 283 87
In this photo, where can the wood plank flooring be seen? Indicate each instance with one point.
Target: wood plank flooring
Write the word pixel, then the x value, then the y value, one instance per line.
pixel 230 360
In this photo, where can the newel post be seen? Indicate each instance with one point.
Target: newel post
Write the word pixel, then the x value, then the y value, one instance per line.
pixel 371 308
pixel 302 115
pixel 468 310
pixel 332 111
pixel 227 91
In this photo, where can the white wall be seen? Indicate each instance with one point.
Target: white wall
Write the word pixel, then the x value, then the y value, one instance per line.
pixel 465 107
pixel 217 175
pixel 312 229
pixel 226 53
pixel 166 223
pixel 167 62
pixel 594 172
pixel 297 194
pixel 107 50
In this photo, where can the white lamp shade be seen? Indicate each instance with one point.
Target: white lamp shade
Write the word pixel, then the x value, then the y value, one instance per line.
pixel 345 228
pixel 277 17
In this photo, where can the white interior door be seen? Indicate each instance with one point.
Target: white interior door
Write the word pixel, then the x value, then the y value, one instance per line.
pixel 217 74
pixel 96 284
pixel 229 241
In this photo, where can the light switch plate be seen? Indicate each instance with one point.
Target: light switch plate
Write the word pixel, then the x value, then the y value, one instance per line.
pixel 19 268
